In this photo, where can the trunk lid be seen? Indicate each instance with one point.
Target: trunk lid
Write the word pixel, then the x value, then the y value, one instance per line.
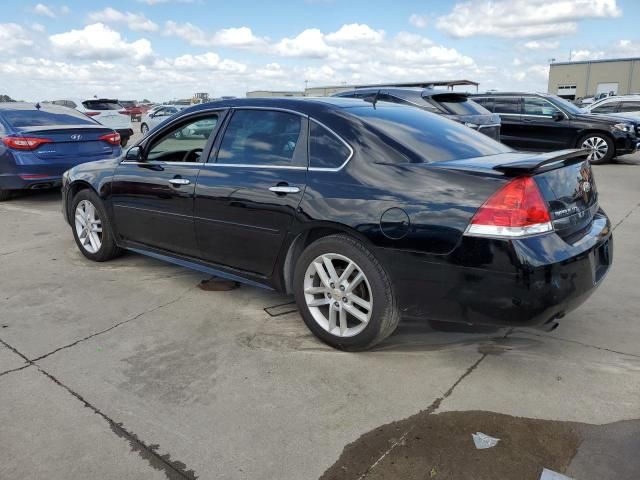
pixel 70 142
pixel 565 180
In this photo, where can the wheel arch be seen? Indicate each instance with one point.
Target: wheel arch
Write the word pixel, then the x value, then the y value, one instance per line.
pixel 74 188
pixel 302 240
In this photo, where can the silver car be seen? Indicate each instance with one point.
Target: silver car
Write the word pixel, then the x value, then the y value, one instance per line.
pixel 156 116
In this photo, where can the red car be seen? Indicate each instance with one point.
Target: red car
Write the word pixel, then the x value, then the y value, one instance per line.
pixel 132 108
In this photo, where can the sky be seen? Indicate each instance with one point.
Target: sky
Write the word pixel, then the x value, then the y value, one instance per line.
pixel 166 49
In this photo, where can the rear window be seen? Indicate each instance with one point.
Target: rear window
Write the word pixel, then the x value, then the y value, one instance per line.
pixel 42 118
pixel 102 105
pixel 460 105
pixel 431 137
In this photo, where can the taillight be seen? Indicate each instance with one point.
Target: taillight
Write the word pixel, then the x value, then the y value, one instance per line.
pixel 112 138
pixel 516 210
pixel 24 143
pixel 91 114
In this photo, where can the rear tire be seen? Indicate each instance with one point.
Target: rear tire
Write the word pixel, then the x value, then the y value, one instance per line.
pixel 601 147
pixel 5 195
pixel 353 307
pixel 91 227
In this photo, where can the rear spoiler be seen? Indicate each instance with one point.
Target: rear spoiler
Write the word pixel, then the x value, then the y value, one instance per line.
pixel 543 162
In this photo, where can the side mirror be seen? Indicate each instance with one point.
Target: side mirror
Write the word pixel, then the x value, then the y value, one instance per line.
pixel 134 154
pixel 557 116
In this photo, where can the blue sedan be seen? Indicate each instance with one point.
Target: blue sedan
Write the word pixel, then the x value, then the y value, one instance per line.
pixel 39 142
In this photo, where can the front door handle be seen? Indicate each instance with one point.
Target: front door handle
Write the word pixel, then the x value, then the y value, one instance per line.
pixel 179 181
pixel 284 189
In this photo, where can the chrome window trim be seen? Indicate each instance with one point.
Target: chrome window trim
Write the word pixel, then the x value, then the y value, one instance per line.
pixel 249 165
pixel 156 162
pixel 330 169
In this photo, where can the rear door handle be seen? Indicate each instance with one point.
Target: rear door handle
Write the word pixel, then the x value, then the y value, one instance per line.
pixel 284 189
pixel 179 181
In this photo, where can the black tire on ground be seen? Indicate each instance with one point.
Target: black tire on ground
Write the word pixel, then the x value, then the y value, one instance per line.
pixel 597 137
pixel 385 314
pixel 5 195
pixel 109 249
pixel 124 141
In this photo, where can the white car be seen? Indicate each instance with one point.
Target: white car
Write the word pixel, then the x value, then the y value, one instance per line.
pixel 105 111
pixel 157 115
pixel 621 106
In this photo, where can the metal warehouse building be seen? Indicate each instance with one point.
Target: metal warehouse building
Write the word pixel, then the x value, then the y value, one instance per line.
pixel 584 79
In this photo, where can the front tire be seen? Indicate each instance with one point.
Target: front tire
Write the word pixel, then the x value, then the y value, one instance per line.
pixel 344 295
pixel 91 227
pixel 600 146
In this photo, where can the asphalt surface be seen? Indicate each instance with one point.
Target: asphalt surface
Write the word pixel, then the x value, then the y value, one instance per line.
pixel 128 370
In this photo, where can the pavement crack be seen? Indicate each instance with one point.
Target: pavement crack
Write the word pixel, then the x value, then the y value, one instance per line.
pixel 173 469
pixel 560 339
pixel 429 410
pixel 135 317
pixel 15 370
pixel 626 216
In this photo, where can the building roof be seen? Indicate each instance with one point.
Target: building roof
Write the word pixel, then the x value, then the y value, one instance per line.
pixel 422 84
pixel 606 60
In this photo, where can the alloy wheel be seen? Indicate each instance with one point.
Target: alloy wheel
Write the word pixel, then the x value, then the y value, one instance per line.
pixel 338 295
pixel 88 226
pixel 597 147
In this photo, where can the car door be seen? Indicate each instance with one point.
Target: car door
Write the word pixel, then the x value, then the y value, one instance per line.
pixel 509 109
pixel 544 126
pixel 248 192
pixel 153 194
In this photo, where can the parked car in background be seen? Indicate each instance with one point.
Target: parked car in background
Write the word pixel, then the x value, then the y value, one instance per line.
pixel 39 142
pixel 544 122
pixel 105 111
pixel 132 108
pixel 453 105
pixel 622 106
pixel 157 115
pixel 363 212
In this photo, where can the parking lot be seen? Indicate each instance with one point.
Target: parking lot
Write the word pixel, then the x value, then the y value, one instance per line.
pixel 127 369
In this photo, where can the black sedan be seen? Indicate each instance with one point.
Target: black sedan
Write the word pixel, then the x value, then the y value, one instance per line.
pixel 453 105
pixel 365 213
pixel 544 122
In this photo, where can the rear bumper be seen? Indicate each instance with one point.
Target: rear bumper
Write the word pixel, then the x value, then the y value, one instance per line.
pixel 125 132
pixel 17 182
pixel 527 282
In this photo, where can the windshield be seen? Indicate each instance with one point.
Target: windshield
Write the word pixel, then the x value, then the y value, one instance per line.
pixel 102 105
pixel 430 136
pixel 567 105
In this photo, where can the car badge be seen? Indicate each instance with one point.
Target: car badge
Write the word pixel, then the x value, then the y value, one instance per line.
pixel 76 136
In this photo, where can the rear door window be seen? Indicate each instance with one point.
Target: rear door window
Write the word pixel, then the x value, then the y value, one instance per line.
pixel 102 105
pixel 264 138
pixel 326 149
pixel 485 102
pixel 630 107
pixel 608 107
pixel 507 105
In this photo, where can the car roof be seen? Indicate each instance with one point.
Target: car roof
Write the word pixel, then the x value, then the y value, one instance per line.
pixel 305 105
pixel 511 94
pixel 47 107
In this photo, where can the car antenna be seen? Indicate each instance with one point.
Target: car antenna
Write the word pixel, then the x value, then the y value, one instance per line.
pixel 373 99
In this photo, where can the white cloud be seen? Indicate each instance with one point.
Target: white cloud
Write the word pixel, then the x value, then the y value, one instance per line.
pixel 522 18
pixel 310 44
pixel 355 33
pixel 133 21
pixel 13 36
pixel 208 61
pixel 241 37
pixel 417 20
pixel 44 10
pixel 542 45
pixel 98 41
